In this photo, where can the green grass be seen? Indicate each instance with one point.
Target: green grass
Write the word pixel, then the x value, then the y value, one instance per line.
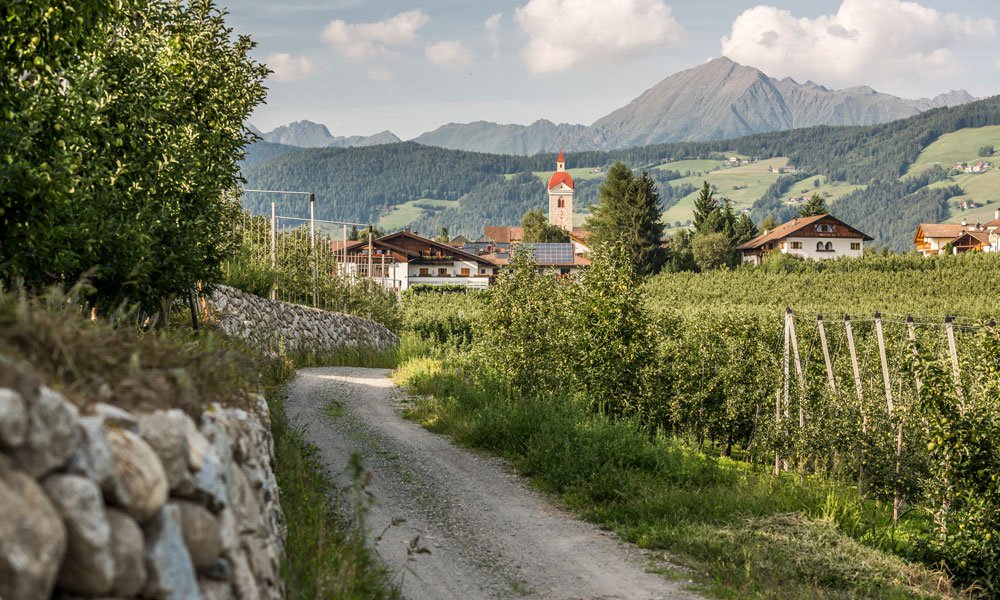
pixel 408 212
pixel 695 166
pixel 835 189
pixel 743 185
pixel 740 531
pixel 959 146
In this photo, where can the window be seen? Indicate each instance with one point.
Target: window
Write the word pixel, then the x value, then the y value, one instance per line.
pixel 824 228
pixel 796 245
pixel 855 245
pixel 465 272
pixel 442 272
pixel 561 203
pixel 424 272
pixel 829 246
pixel 819 246
pixel 564 270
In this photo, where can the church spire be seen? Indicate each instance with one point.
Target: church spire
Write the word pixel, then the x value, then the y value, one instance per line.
pixel 560 162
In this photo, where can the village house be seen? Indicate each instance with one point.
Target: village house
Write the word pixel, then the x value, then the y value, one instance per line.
pixel 401 260
pixel 933 238
pixel 820 237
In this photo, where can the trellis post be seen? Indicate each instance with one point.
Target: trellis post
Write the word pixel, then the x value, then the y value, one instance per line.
pixel 953 352
pixel 826 353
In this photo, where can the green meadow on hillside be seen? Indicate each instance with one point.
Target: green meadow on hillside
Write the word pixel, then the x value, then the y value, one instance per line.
pixel 408 212
pixel 960 146
pixel 743 185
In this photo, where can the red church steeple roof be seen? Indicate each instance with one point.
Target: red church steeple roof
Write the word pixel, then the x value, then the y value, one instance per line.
pixel 560 159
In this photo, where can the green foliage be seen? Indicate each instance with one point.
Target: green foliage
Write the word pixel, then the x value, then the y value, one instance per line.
pixel 538 230
pixel 698 358
pixel 121 144
pixel 612 338
pixel 986 151
pixel 629 215
pixel 712 250
pixel 814 206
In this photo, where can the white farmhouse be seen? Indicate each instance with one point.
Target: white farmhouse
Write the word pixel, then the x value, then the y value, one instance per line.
pixel 819 237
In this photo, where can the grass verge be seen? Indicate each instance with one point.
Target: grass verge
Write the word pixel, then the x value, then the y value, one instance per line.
pixel 741 532
pixel 326 552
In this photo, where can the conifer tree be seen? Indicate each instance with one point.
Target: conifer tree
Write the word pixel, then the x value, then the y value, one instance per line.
pixel 629 213
pixel 814 206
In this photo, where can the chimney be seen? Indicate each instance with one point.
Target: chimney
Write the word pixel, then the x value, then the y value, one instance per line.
pixel 996 214
pixel 964 222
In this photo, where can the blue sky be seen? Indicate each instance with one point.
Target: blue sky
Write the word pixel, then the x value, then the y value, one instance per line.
pixel 410 66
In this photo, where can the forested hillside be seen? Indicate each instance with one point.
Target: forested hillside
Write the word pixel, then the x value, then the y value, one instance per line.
pixel 362 183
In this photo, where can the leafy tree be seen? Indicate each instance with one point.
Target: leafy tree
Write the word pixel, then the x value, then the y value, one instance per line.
pixel 443 237
pixel 986 151
pixel 629 213
pixel 537 229
pixel 139 129
pixel 712 250
pixel 354 235
pixel 816 205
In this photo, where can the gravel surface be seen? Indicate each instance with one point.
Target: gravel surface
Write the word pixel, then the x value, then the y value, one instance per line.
pixel 451 523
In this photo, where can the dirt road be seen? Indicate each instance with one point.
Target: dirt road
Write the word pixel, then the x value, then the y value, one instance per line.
pixel 488 536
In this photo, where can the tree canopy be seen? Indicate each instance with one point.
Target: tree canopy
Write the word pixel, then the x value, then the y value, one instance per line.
pixel 123 128
pixel 538 230
pixel 629 214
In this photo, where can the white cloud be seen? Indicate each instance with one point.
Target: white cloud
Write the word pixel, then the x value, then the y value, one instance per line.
pixel 492 27
pixel 380 73
pixel 289 68
pixel 864 41
pixel 448 54
pixel 361 41
pixel 563 34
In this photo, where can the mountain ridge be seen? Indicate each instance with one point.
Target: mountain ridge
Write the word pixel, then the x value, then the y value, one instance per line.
pixel 719 99
pixel 307 134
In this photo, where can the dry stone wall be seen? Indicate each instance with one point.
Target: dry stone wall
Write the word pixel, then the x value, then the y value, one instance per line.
pixel 113 504
pixel 268 323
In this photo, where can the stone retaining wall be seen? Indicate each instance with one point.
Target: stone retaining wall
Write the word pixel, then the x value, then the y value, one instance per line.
pixel 268 323
pixel 114 504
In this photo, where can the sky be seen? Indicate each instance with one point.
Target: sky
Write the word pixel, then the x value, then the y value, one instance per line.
pixel 410 66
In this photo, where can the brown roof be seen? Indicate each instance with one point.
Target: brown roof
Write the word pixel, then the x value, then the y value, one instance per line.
pixel 444 247
pixel 941 230
pixel 580 233
pixel 981 237
pixel 993 223
pixel 503 234
pixel 791 227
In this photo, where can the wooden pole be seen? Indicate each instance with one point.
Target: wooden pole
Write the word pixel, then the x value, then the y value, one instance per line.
pixel 956 373
pixel 826 353
pixel 885 363
pixel 787 359
pixel 274 243
pixel 777 426
pixel 861 399
pixel 798 369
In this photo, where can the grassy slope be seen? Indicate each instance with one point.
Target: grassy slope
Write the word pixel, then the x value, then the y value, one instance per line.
pixel 753 180
pixel 408 212
pixel 960 146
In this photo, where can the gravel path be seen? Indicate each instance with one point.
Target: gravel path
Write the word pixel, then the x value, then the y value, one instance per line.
pixel 466 526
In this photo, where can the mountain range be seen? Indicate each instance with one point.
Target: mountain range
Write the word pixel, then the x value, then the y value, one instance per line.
pixel 717 100
pixel 306 134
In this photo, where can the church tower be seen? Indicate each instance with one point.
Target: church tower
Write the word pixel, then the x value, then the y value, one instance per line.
pixel 561 196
